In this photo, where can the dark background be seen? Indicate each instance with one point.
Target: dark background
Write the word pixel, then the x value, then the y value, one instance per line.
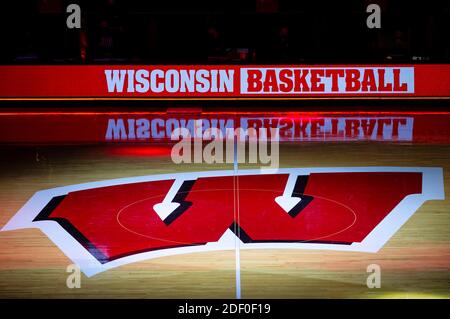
pixel 224 32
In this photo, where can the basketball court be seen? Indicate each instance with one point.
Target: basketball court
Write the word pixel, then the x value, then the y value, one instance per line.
pixel 262 256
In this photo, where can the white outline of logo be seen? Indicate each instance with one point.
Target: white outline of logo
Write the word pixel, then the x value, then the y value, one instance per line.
pixel 432 189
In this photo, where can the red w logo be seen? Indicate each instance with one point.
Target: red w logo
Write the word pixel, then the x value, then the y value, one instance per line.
pixel 105 224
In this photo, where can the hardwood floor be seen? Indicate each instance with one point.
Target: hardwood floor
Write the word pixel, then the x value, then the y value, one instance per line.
pixel 414 263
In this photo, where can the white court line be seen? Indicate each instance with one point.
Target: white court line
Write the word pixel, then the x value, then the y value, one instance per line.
pixel 238 237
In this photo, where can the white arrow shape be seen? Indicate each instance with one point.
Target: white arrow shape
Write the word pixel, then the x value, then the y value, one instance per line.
pixel 287 201
pixel 167 206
